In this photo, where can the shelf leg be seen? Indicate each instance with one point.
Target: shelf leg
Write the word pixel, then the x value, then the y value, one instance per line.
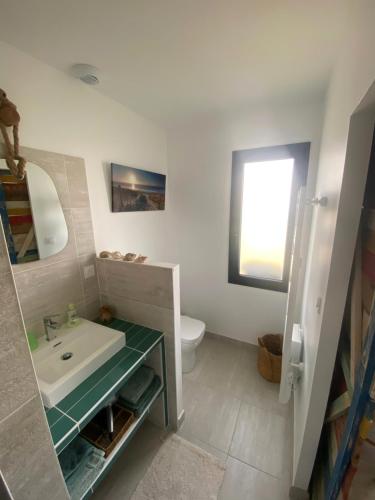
pixel 164 370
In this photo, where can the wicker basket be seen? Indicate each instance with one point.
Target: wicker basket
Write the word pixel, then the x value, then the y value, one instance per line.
pixel 270 356
pixel 97 435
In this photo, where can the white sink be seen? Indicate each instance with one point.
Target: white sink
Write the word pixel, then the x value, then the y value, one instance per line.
pixel 90 344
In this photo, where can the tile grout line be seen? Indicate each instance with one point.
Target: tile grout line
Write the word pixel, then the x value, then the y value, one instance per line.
pixel 122 359
pixel 61 441
pixel 145 353
pixel 242 402
pixel 119 297
pixel 255 468
pixel 60 417
pixel 66 415
pixel 143 340
pixel 19 408
pixel 108 392
pixel 43 266
pixel 142 358
pixel 235 427
pixel 94 386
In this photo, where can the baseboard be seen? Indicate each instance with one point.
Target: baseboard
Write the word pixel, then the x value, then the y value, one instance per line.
pixel 223 338
pixel 180 419
pixel 298 494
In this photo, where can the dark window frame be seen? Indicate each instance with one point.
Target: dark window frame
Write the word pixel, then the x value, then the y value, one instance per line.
pixel 300 152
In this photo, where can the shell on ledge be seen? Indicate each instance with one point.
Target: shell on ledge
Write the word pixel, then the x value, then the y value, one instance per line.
pixel 140 259
pixel 105 254
pixel 130 257
pixel 117 255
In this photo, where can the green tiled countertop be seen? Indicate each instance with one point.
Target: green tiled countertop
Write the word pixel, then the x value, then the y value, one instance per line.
pixel 70 415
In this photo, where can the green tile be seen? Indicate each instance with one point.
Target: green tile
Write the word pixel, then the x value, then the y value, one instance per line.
pixel 53 415
pixel 137 336
pixel 67 439
pixel 111 460
pixel 83 402
pixel 117 324
pixel 148 341
pixel 63 431
pixel 142 338
pixel 121 325
pixel 79 392
pixel 113 380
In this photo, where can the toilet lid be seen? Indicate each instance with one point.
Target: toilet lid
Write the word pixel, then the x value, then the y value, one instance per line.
pixel 191 329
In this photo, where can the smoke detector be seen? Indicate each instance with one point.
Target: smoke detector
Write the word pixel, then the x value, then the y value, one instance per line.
pixel 86 73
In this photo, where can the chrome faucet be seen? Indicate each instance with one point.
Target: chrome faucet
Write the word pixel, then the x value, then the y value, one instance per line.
pixel 50 326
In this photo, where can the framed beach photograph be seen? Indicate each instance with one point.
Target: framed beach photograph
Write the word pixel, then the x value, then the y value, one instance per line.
pixel 136 190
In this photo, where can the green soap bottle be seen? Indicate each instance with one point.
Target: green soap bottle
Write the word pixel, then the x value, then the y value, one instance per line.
pixel 33 341
pixel 73 319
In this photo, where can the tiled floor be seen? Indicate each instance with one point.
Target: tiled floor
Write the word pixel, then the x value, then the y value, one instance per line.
pixel 231 412
pixel 234 413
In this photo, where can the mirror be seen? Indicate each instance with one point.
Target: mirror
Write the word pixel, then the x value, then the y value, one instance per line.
pixel 32 216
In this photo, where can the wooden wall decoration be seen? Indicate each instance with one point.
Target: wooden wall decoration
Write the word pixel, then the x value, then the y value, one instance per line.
pixel 15 211
pixel 10 118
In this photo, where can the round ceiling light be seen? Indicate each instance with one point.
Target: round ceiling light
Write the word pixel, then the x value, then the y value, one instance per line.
pixel 86 73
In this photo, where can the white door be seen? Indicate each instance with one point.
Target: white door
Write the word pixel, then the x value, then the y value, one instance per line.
pixel 331 250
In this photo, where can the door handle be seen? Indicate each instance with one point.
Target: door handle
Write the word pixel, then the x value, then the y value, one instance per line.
pixel 295 363
pixel 322 201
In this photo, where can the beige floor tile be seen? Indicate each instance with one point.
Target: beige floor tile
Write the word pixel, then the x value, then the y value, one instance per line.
pixel 210 415
pixel 221 455
pixel 242 482
pixel 260 440
pixel 131 466
pixel 229 408
pixel 248 385
pixel 216 364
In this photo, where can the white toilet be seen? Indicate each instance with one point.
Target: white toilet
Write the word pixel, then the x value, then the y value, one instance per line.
pixel 192 332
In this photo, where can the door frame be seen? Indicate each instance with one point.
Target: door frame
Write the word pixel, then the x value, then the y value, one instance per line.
pixel 314 390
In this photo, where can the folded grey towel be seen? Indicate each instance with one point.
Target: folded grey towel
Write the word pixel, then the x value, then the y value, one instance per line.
pixel 137 385
pixel 144 400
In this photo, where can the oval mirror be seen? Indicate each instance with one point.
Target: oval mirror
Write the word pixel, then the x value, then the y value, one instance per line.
pixel 32 216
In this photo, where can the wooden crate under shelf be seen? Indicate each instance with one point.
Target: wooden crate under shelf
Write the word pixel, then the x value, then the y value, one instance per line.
pixel 96 433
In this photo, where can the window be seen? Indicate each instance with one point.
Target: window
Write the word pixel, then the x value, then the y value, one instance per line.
pixel 265 185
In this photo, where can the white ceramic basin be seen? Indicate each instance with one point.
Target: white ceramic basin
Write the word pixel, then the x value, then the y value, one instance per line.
pixel 90 344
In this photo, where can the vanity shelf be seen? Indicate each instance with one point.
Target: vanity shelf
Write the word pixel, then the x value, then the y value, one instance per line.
pixel 71 414
pixel 122 444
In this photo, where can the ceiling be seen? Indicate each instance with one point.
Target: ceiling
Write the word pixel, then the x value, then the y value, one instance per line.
pixel 172 60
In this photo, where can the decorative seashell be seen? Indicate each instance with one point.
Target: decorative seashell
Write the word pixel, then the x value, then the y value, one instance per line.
pixel 140 259
pixel 117 255
pixel 130 257
pixel 105 254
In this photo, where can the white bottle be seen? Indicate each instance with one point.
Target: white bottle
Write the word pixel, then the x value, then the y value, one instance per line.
pixel 73 319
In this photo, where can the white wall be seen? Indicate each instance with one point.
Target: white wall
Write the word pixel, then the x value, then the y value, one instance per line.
pixel 199 168
pixel 332 234
pixel 63 115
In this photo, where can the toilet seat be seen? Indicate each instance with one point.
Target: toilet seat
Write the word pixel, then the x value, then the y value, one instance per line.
pixel 192 330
